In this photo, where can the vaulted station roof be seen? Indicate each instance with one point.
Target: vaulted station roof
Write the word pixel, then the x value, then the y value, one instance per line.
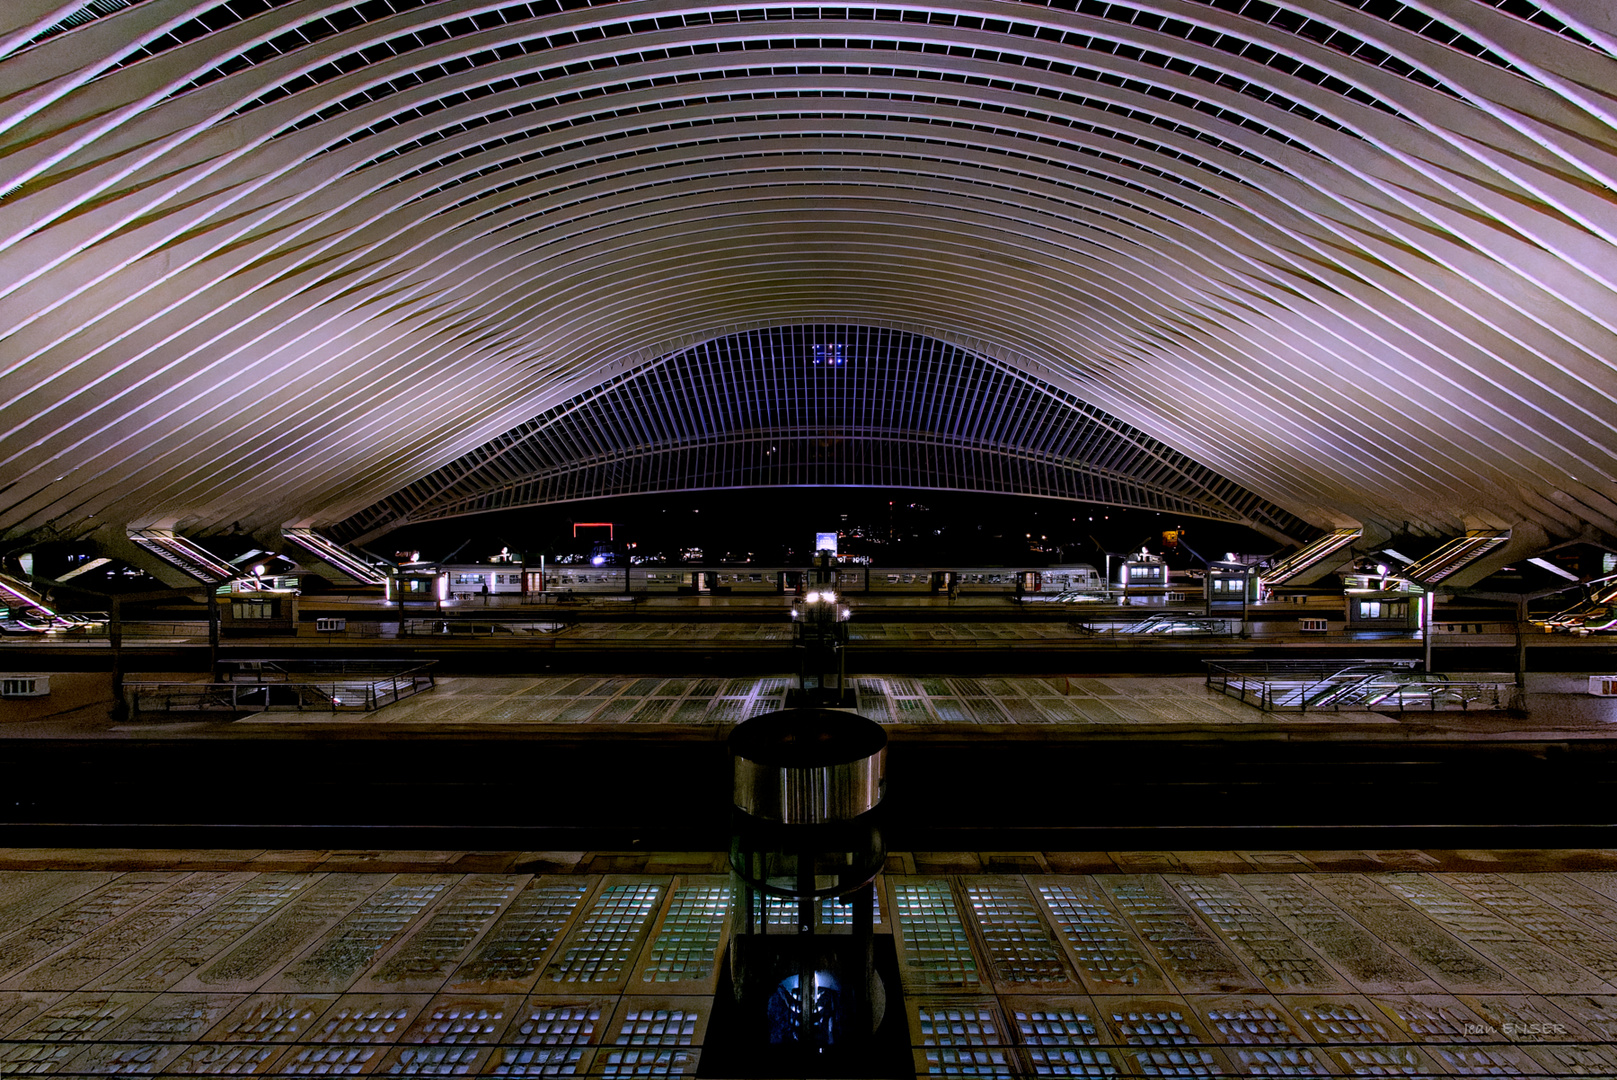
pixel 822 406
pixel 268 262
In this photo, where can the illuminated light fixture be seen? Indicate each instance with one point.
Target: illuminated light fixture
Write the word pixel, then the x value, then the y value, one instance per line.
pixel 1545 564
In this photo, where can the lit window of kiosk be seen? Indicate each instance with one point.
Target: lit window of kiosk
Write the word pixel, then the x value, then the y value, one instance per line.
pixel 1383 611
pixel 1231 582
pixel 258 614
pixel 1377 601
pixel 419 586
pixel 259 605
pixel 1143 570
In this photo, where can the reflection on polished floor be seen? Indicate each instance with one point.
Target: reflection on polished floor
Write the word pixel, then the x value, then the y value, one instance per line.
pixel 1116 703
pixel 887 699
pixel 1012 964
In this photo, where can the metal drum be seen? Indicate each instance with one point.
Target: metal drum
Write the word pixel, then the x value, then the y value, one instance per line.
pixel 809 766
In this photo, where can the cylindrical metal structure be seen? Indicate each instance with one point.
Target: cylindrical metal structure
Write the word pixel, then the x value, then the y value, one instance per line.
pixel 808 766
pixel 805 852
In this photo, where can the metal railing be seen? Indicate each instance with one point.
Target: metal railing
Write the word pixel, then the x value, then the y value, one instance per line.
pixel 254 686
pixel 1335 685
pixel 304 668
pixel 478 628
pixel 1162 625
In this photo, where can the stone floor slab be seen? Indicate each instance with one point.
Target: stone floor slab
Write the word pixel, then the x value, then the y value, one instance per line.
pixel 1358 973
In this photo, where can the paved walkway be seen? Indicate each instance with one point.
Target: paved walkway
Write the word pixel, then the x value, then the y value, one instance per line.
pixel 889 699
pixel 200 965
pixel 1057 705
pixel 1557 702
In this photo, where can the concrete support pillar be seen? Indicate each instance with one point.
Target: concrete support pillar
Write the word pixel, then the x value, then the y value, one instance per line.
pixel 115 637
pixel 1428 603
pixel 213 635
pixel 1518 695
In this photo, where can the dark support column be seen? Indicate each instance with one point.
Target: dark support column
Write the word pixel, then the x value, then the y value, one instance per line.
pixel 213 634
pixel 1518 696
pixel 115 637
pixel 1428 602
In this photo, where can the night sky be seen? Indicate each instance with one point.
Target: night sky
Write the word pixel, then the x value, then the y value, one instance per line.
pixel 901 528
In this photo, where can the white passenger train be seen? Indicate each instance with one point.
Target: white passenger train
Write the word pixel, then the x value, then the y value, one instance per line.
pixel 465 582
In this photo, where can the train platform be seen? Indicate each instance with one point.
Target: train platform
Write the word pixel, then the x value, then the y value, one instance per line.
pixel 1312 963
pixel 741 629
pixel 1000 762
pixel 1063 706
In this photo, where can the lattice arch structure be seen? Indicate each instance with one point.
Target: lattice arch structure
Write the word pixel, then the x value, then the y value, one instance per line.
pixel 822 406
pixel 266 261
